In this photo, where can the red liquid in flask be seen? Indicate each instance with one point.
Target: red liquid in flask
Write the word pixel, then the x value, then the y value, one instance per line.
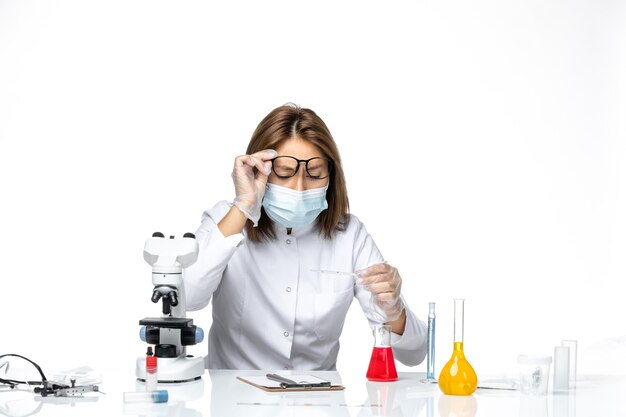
pixel 382 366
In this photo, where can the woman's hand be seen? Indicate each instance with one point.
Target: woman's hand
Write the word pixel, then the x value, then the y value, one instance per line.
pixel 250 185
pixel 385 283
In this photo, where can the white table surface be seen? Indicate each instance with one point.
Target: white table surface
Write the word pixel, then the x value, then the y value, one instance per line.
pixel 219 393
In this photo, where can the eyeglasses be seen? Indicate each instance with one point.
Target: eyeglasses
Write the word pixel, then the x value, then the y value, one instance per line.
pixel 288 166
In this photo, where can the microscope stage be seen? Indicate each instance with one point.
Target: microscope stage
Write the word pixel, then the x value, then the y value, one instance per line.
pixel 167 322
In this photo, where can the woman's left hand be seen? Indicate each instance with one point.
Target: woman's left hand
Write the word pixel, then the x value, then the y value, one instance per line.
pixel 384 282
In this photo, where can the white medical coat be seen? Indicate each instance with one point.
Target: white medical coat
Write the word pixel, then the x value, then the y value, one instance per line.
pixel 270 310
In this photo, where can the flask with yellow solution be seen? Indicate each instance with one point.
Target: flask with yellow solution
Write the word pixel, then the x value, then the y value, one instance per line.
pixel 457 376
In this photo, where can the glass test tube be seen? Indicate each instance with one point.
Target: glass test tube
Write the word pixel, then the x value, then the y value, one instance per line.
pixel 571 344
pixel 561 368
pixel 159 396
pixel 430 361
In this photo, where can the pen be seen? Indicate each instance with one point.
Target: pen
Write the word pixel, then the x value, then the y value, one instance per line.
pixel 289 383
pixel 281 379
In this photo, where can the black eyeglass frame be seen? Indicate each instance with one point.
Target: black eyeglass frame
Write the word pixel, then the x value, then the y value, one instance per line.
pixel 306 167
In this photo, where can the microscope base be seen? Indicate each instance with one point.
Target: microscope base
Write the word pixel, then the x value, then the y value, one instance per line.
pixel 173 370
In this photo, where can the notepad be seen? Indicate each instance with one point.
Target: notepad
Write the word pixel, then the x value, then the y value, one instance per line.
pixel 304 383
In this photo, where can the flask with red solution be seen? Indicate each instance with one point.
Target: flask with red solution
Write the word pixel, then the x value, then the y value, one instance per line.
pixel 382 366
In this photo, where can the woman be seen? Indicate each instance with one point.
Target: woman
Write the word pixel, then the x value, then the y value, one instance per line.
pixel 260 257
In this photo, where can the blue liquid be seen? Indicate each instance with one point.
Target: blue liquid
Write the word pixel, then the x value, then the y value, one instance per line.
pixel 430 358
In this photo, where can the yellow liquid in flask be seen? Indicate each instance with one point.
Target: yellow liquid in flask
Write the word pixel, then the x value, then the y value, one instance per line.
pixel 457 376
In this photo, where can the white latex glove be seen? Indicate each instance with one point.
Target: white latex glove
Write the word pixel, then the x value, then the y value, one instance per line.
pixel 384 282
pixel 250 185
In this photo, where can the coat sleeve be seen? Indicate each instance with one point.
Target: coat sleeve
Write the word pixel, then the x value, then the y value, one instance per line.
pixel 215 251
pixel 410 347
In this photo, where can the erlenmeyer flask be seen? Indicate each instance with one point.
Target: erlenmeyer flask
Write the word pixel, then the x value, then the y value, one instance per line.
pixel 457 376
pixel 382 366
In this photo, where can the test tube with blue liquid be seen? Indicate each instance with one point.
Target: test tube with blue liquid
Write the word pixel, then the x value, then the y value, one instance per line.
pixel 158 396
pixel 430 354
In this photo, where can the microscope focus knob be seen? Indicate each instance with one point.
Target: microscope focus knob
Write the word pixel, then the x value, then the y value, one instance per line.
pixel 158 234
pixel 189 235
pixel 191 335
pixel 199 335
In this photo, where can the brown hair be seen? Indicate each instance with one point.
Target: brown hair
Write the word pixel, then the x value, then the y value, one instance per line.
pixel 282 124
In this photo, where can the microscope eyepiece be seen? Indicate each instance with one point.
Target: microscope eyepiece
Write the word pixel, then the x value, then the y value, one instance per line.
pixel 158 234
pixel 189 235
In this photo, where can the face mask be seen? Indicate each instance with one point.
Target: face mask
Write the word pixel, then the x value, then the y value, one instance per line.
pixel 293 208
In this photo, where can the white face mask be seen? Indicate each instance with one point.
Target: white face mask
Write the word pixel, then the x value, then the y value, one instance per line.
pixel 293 208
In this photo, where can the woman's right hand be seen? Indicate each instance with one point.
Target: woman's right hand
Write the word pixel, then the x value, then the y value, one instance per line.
pixel 250 185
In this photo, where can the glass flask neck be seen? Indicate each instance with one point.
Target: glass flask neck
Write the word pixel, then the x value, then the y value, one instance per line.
pixel 458 320
pixel 382 335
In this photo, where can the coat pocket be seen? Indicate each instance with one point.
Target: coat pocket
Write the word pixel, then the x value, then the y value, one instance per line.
pixel 330 313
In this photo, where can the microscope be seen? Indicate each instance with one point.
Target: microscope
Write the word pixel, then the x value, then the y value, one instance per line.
pixel 172 332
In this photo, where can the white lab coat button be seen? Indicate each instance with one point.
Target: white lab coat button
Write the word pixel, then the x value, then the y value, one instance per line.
pixel 288 289
pixel 289 241
pixel 286 334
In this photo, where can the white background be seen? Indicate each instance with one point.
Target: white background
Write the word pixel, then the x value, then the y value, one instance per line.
pixel 483 143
